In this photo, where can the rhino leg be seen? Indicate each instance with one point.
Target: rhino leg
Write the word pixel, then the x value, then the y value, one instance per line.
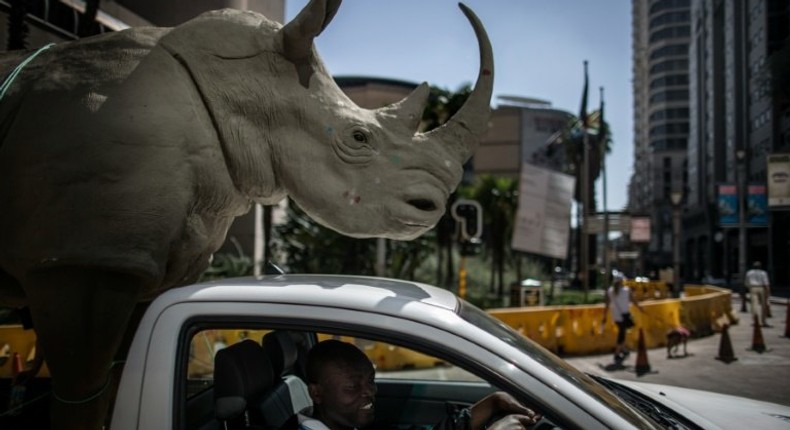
pixel 80 316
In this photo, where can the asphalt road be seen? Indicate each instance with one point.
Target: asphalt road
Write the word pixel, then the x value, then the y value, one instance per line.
pixel 761 376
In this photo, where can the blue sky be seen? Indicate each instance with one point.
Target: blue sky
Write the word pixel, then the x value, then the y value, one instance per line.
pixel 539 49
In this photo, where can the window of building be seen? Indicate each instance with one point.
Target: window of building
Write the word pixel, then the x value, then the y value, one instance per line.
pixel 678 17
pixel 670 51
pixel 669 66
pixel 667 4
pixel 670 33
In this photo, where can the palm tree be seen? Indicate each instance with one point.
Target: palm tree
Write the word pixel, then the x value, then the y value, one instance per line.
pixel 499 198
pixel 572 139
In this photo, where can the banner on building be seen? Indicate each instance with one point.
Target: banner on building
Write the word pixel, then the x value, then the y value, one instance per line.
pixel 544 212
pixel 728 204
pixel 756 206
pixel 778 180
pixel 640 229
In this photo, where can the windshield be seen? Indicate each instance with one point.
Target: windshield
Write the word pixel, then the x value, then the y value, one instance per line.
pixel 504 332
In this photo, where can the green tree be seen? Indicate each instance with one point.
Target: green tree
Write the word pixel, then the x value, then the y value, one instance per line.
pixel 498 197
pixel 572 140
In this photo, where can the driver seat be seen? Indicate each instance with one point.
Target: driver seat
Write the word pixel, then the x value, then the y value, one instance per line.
pixel 243 374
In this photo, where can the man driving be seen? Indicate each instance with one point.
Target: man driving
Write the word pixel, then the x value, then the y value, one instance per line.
pixel 341 384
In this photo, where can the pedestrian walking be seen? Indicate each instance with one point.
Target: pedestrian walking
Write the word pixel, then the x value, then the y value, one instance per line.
pixel 619 298
pixel 756 281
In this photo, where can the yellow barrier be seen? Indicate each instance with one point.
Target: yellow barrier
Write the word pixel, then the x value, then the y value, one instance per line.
pixel 15 339
pixel 538 323
pixel 648 290
pixel 578 330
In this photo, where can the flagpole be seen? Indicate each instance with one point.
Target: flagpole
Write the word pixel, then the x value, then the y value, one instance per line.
pixel 585 251
pixel 602 148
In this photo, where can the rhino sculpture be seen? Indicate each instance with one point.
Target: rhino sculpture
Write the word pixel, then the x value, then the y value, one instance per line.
pixel 126 156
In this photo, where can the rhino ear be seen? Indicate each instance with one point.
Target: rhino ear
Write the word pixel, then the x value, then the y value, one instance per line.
pixel 298 34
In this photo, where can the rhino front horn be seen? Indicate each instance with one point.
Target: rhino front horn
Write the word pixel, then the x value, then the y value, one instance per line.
pixel 463 131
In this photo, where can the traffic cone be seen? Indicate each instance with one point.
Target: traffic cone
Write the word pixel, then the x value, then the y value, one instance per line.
pixel 642 366
pixel 758 344
pixel 725 346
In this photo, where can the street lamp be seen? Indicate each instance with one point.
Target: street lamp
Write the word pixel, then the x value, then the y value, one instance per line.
pixel 676 197
pixel 740 172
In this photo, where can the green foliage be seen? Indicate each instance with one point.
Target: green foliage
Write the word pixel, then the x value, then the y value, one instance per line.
pixel 307 247
pixel 498 197
pixel 228 265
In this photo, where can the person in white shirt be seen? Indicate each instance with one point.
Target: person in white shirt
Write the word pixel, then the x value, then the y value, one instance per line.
pixel 619 298
pixel 756 281
pixel 341 383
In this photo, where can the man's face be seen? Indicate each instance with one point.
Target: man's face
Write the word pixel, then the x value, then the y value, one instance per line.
pixel 345 394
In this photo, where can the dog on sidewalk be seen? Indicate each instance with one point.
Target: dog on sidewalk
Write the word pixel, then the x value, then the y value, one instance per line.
pixel 676 337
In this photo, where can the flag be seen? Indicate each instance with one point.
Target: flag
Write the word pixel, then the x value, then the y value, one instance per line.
pixel 603 132
pixel 583 109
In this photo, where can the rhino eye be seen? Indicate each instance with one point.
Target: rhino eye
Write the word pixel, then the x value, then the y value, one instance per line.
pixel 360 137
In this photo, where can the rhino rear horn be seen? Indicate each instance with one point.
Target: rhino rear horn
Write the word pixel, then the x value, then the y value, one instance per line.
pixel 463 131
pixel 410 109
pixel 298 34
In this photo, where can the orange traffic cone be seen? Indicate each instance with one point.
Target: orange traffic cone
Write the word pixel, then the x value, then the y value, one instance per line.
pixel 758 344
pixel 642 366
pixel 725 346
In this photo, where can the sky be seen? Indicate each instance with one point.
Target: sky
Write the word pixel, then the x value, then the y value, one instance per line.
pixel 539 49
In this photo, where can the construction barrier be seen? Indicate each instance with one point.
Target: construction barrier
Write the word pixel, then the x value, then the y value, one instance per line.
pixel 578 330
pixel 648 290
pixel 15 339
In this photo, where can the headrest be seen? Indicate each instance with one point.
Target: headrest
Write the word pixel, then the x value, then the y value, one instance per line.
pixel 281 349
pixel 242 373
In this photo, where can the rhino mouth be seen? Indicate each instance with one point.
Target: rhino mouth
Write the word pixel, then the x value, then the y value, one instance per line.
pixel 425 205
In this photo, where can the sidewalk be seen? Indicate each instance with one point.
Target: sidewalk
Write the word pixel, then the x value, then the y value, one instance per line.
pixel 761 376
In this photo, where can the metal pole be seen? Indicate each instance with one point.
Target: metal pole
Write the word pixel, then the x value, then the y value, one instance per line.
pixel 585 205
pixel 606 262
pixel 676 249
pixel 741 179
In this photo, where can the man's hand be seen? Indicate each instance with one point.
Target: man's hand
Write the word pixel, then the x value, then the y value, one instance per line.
pixel 514 421
pixel 501 403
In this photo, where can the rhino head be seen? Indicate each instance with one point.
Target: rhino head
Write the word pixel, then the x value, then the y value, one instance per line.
pixel 292 131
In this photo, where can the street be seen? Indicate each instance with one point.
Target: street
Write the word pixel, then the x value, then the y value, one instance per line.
pixel 760 376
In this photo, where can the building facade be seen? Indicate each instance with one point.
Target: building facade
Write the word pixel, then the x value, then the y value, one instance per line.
pixel 661 32
pixel 522 131
pixel 738 118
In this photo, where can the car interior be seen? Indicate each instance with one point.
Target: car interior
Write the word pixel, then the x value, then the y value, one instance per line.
pixel 258 383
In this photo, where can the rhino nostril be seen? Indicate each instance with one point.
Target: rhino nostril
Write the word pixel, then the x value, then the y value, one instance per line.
pixel 423 204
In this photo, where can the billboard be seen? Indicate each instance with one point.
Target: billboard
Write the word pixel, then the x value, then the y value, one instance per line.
pixel 543 218
pixel 778 180
pixel 640 229
pixel 728 204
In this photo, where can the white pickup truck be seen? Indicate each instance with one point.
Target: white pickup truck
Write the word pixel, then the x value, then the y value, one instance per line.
pixel 230 354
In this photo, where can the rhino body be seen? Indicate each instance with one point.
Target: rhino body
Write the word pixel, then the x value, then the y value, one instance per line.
pixel 125 158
